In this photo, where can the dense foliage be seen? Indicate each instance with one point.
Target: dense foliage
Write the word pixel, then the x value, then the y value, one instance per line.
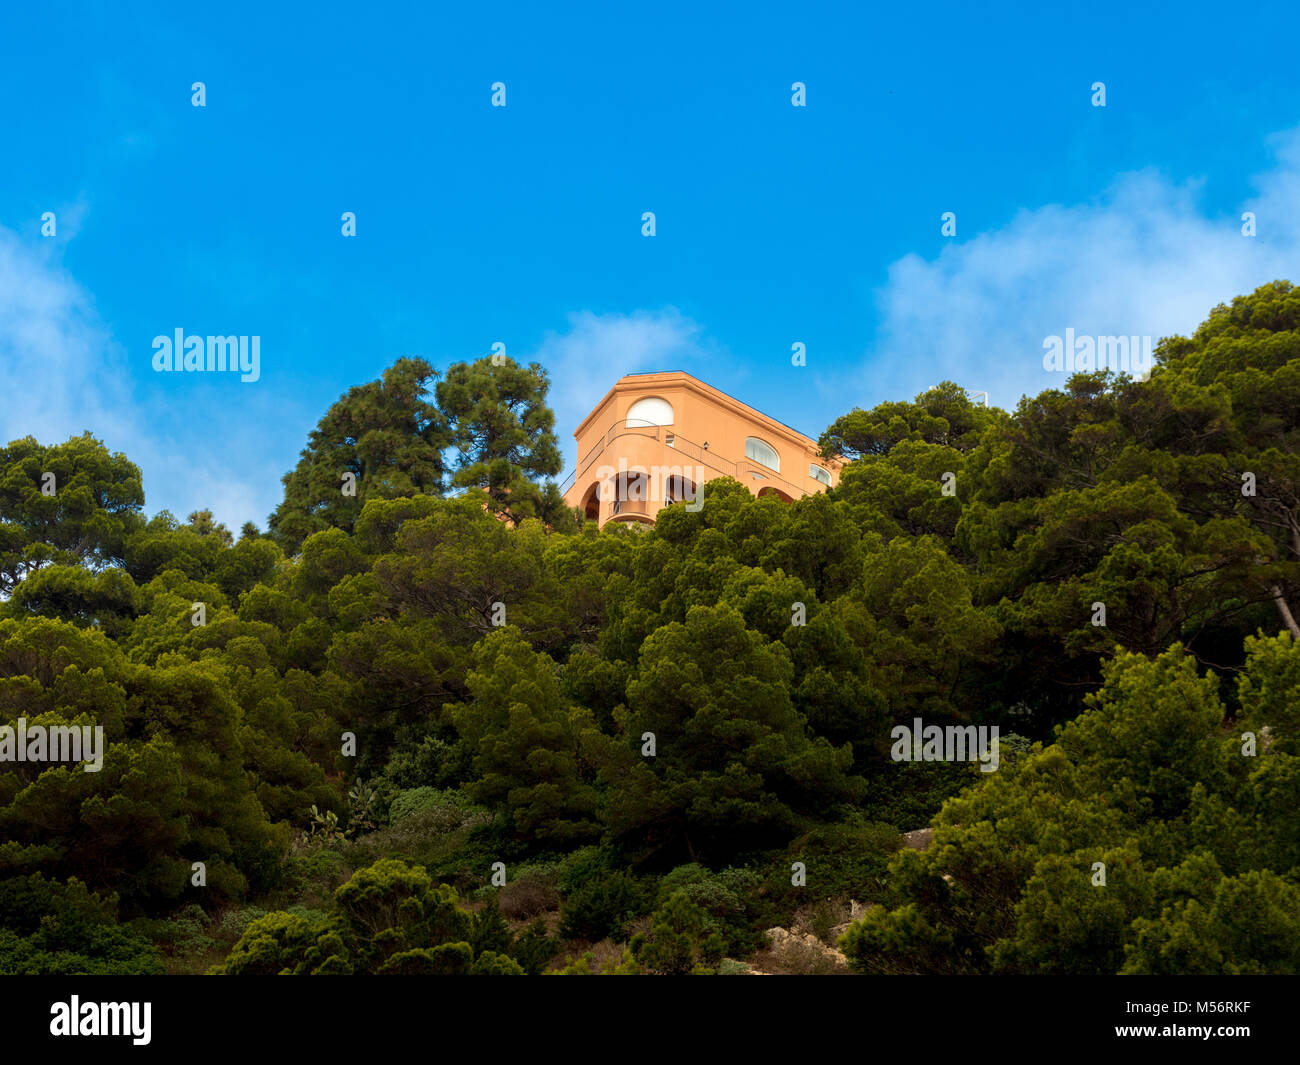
pixel 439 725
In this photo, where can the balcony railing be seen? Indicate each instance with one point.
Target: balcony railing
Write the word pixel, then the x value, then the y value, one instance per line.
pixel 624 508
pixel 616 430
pixel 690 449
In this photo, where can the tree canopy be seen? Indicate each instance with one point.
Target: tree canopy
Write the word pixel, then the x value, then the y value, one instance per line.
pixel 436 724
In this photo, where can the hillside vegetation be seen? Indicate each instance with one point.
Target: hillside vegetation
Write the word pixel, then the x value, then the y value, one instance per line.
pixel 395 734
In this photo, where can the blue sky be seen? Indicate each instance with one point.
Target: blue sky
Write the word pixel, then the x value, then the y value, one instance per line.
pixel 522 224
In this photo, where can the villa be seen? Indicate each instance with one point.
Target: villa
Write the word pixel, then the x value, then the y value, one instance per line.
pixel 657 437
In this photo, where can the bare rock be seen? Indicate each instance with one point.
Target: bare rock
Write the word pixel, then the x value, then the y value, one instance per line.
pixel 918 839
pixel 784 941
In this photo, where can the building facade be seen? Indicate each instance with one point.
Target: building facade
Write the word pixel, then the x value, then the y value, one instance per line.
pixel 656 438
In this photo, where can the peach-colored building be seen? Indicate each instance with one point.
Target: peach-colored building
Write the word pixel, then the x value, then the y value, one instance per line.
pixel 656 437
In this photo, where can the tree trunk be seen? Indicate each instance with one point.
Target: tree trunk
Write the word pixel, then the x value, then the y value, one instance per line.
pixel 1285 611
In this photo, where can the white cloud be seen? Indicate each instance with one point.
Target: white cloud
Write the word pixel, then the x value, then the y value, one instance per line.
pixel 62 373
pixel 598 349
pixel 1143 259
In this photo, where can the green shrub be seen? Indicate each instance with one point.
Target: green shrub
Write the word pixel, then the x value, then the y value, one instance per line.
pixel 63 929
pixel 583 865
pixel 534 948
pixel 452 809
pixel 849 859
pixel 235 922
pixel 183 934
pixel 729 899
pixel 680 940
pixel 601 907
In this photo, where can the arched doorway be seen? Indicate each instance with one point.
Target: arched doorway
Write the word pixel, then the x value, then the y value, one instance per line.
pixel 679 489
pixel 591 502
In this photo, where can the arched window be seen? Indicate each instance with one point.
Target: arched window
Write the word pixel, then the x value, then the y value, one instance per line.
pixel 649 411
pixel 763 453
pixel 819 474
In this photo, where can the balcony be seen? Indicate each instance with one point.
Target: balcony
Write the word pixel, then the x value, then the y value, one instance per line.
pixel 748 472
pixel 668 436
pixel 630 510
